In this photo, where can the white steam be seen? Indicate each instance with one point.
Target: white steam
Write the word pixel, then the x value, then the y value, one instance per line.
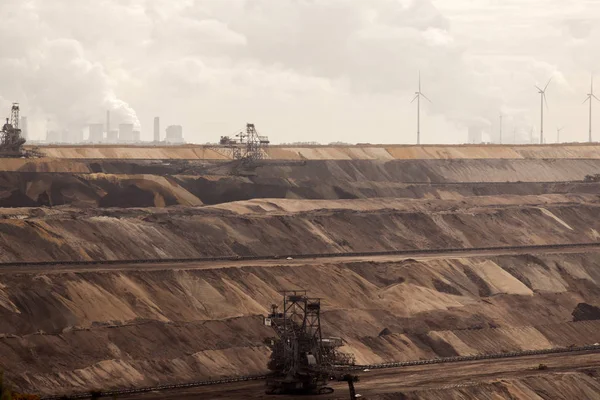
pixel 56 81
pixel 70 90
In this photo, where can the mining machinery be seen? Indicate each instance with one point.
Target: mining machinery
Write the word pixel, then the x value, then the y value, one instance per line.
pixel 247 146
pixel 11 140
pixel 302 361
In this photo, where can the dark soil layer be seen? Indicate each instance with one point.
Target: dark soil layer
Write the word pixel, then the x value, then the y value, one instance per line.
pixel 164 183
pixel 586 312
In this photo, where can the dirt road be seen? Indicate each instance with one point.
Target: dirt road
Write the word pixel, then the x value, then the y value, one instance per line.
pixel 201 265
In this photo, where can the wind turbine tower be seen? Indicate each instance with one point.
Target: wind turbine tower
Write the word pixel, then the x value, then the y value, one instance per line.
pixel 543 100
pixel 558 131
pixel 500 128
pixel 590 97
pixel 531 135
pixel 417 97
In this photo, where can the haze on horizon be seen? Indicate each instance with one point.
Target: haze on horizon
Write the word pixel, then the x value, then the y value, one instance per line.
pixel 302 70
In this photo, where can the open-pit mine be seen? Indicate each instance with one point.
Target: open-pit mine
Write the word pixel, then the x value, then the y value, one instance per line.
pixel 445 272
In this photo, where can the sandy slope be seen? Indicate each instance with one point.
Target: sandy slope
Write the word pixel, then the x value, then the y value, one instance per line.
pixel 271 227
pixel 110 329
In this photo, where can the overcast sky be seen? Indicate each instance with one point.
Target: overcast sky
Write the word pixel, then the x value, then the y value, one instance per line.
pixel 302 70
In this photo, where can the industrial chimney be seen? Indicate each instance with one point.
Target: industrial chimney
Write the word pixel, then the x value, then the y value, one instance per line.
pixel 156 129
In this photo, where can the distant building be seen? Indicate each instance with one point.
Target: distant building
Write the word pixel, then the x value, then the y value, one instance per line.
pixel 24 128
pixel 72 136
pixel 137 136
pixel 475 135
pixel 96 133
pixel 113 136
pixel 174 134
pixel 157 129
pixel 53 137
pixel 126 133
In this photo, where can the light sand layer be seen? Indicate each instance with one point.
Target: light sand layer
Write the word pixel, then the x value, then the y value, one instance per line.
pixel 361 152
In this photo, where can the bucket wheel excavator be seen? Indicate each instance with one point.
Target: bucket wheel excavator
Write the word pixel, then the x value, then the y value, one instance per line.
pixel 11 140
pixel 302 361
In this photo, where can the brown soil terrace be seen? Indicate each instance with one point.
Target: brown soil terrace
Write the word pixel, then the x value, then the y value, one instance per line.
pixel 68 328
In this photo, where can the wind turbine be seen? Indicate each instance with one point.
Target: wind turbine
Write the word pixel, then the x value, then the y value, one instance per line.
pixel 531 135
pixel 558 131
pixel 543 100
pixel 589 98
pixel 418 98
pixel 501 128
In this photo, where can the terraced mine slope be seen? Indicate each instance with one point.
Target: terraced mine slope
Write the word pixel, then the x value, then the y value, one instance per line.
pixel 272 227
pixel 71 328
pixel 100 183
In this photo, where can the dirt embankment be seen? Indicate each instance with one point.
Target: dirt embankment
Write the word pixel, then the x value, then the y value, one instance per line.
pixel 77 331
pixel 269 228
pixel 342 152
pixel 105 183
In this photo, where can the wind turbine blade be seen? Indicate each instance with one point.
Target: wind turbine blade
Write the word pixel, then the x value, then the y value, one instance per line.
pixel 413 100
pixel 586 99
pixel 538 88
pixel 594 96
pixel 545 101
pixel 546 87
pixel 425 97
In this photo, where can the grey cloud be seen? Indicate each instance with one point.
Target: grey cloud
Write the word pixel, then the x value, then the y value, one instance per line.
pixel 72 59
pixel 50 68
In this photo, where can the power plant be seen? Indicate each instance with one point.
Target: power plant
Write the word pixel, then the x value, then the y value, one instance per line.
pixel 111 132
pixel 174 134
pixel 125 132
pixel 96 133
